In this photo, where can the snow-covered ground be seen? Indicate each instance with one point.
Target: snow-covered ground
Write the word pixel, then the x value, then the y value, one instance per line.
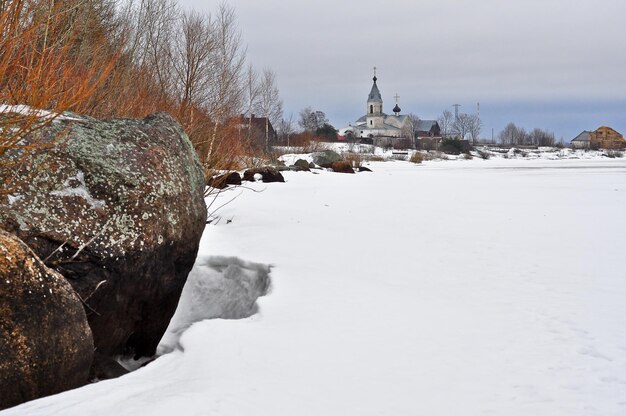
pixel 449 288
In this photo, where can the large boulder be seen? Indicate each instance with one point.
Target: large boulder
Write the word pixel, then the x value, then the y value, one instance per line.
pixel 342 166
pixel 222 181
pixel 45 342
pixel 117 208
pixel 302 165
pixel 326 158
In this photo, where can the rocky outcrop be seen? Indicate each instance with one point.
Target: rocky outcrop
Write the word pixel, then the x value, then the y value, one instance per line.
pixel 45 342
pixel 117 208
pixel 326 158
pixel 265 174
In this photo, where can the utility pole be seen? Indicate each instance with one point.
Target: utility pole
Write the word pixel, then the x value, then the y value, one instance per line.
pixel 456 111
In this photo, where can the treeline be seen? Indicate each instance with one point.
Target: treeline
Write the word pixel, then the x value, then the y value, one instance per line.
pixel 130 58
pixel 514 135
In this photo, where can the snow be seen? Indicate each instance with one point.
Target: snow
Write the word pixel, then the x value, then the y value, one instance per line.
pixel 470 287
pixel 80 190
pixel 33 112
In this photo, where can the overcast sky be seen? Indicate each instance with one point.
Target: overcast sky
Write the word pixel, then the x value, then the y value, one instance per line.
pixel 554 64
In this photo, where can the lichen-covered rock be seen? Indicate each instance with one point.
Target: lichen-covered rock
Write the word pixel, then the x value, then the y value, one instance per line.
pixel 326 158
pixel 302 165
pixel 45 342
pixel 117 208
pixel 265 174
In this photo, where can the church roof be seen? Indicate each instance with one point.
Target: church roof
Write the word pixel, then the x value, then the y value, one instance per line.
pixel 426 125
pixel 375 94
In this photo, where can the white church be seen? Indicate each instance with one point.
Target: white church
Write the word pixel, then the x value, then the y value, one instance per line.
pixel 375 124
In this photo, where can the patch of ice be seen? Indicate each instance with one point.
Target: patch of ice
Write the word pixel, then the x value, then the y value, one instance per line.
pixel 217 287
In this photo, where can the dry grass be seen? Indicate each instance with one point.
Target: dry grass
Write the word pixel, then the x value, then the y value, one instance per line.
pixel 355 159
pixel 417 158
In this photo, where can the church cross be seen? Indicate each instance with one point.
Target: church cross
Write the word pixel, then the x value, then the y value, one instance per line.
pixel 397 97
pixel 374 71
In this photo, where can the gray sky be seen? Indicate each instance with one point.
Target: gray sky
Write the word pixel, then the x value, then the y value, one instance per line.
pixel 554 64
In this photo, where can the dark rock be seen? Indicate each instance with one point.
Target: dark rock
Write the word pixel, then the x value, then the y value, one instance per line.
pixel 302 165
pixel 267 173
pixel 364 169
pixel 123 200
pixel 222 181
pixel 342 166
pixel 46 345
pixel 326 158
pixel 105 367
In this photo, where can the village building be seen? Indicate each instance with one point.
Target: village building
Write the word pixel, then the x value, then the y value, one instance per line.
pixel 257 130
pixel 382 129
pixel 602 138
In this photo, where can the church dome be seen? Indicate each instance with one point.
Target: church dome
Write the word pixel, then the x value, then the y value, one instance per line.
pixel 396 109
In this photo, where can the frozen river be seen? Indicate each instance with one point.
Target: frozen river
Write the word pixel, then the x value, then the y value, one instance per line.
pixel 450 288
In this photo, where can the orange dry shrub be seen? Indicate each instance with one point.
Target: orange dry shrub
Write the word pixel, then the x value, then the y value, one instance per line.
pixel 38 71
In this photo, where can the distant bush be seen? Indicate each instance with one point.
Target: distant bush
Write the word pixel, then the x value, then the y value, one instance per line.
pixel 416 158
pixel 451 146
pixel 483 154
pixel 467 156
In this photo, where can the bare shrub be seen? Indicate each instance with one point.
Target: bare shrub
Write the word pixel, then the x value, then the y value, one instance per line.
pixel 42 74
pixel 373 158
pixel 355 159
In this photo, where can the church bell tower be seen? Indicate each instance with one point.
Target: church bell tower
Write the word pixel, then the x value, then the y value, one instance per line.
pixel 375 116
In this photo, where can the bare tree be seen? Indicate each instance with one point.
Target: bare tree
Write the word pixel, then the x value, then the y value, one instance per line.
pixel 251 95
pixel 269 105
pixel 412 127
pixel 474 125
pixel 192 63
pixel 513 135
pixel 539 137
pixel 461 126
pixel 445 123
pixel 285 129
pixel 226 89
pixel 311 120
